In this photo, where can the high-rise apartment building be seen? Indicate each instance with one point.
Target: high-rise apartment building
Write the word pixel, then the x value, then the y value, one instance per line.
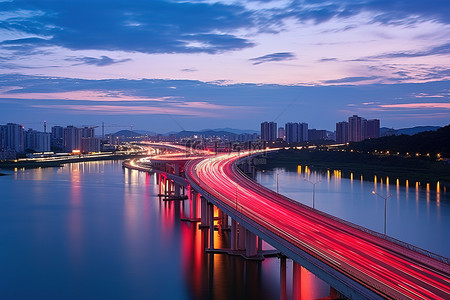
pixel 269 131
pixel 57 137
pixel 281 133
pixel 14 137
pixel 37 141
pixel 303 132
pixel 291 131
pixel 72 138
pixel 372 129
pixel 342 132
pixel 355 129
pixel 296 132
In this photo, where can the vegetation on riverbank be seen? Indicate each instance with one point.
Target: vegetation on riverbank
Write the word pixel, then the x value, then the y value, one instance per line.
pixel 367 165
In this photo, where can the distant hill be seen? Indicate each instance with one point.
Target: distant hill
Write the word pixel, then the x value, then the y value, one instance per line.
pixel 432 142
pixel 205 134
pixel 233 130
pixel 384 131
pixel 146 132
pixel 128 133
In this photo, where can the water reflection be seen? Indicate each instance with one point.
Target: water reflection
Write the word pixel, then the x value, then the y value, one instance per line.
pixel 98 231
pixel 420 224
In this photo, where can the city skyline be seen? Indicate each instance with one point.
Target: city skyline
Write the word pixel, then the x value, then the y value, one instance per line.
pixel 167 65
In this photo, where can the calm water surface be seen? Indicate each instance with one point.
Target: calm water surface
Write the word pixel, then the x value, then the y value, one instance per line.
pixel 415 214
pixel 95 231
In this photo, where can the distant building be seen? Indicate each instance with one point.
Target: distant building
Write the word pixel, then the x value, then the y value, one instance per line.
pixel 269 131
pixel 355 129
pixel 372 129
pixel 342 132
pixel 3 135
pixel 316 135
pixel 87 132
pixel 57 138
pixel 296 132
pixel 303 133
pixel 72 138
pixel 37 141
pixel 291 131
pixel 90 144
pixel 281 133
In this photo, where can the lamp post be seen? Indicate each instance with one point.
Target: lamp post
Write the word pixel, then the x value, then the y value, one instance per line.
pixel 385 200
pixel 314 190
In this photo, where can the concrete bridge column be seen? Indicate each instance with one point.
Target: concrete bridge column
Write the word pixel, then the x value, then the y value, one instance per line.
pixel 176 189
pixel 194 195
pixel 211 225
pixel 283 278
pixel 250 244
pixel 204 212
pixel 260 240
pixel 224 220
pixel 296 281
pixel 233 235
pixel 166 186
pixel 241 237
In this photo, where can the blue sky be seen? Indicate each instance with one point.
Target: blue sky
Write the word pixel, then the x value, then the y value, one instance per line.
pixel 167 65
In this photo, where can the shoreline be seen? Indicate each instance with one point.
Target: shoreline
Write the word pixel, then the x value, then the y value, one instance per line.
pixel 60 162
pixel 368 166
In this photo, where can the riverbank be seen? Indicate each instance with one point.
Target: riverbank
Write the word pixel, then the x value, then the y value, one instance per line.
pixel 58 162
pixel 366 165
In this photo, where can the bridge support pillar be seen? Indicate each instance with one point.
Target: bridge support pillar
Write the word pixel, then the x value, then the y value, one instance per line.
pixel 233 235
pixel 211 225
pixel 204 212
pixel 194 195
pixel 283 278
pixel 250 244
pixel 177 190
pixel 296 281
pixel 241 237
pixel 224 220
pixel 260 240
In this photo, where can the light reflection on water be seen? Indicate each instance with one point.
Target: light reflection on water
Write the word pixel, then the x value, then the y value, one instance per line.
pixel 416 214
pixel 95 231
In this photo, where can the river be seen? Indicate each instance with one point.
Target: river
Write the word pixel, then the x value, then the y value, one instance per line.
pixel 94 230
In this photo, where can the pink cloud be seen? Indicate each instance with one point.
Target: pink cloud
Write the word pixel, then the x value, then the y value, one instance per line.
pixel 85 95
pixel 128 110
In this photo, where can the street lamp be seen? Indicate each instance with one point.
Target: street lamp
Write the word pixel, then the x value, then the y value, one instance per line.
pixel 314 190
pixel 385 200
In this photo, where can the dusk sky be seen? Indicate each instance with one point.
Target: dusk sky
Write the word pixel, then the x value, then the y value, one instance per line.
pixel 170 65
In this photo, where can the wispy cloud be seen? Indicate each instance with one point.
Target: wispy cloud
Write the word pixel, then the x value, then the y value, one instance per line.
pixel 279 56
pixel 351 79
pixel 84 95
pixel 127 110
pixel 102 61
pixel 417 105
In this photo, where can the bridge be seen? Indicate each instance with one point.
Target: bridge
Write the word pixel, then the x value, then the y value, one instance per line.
pixel 357 262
